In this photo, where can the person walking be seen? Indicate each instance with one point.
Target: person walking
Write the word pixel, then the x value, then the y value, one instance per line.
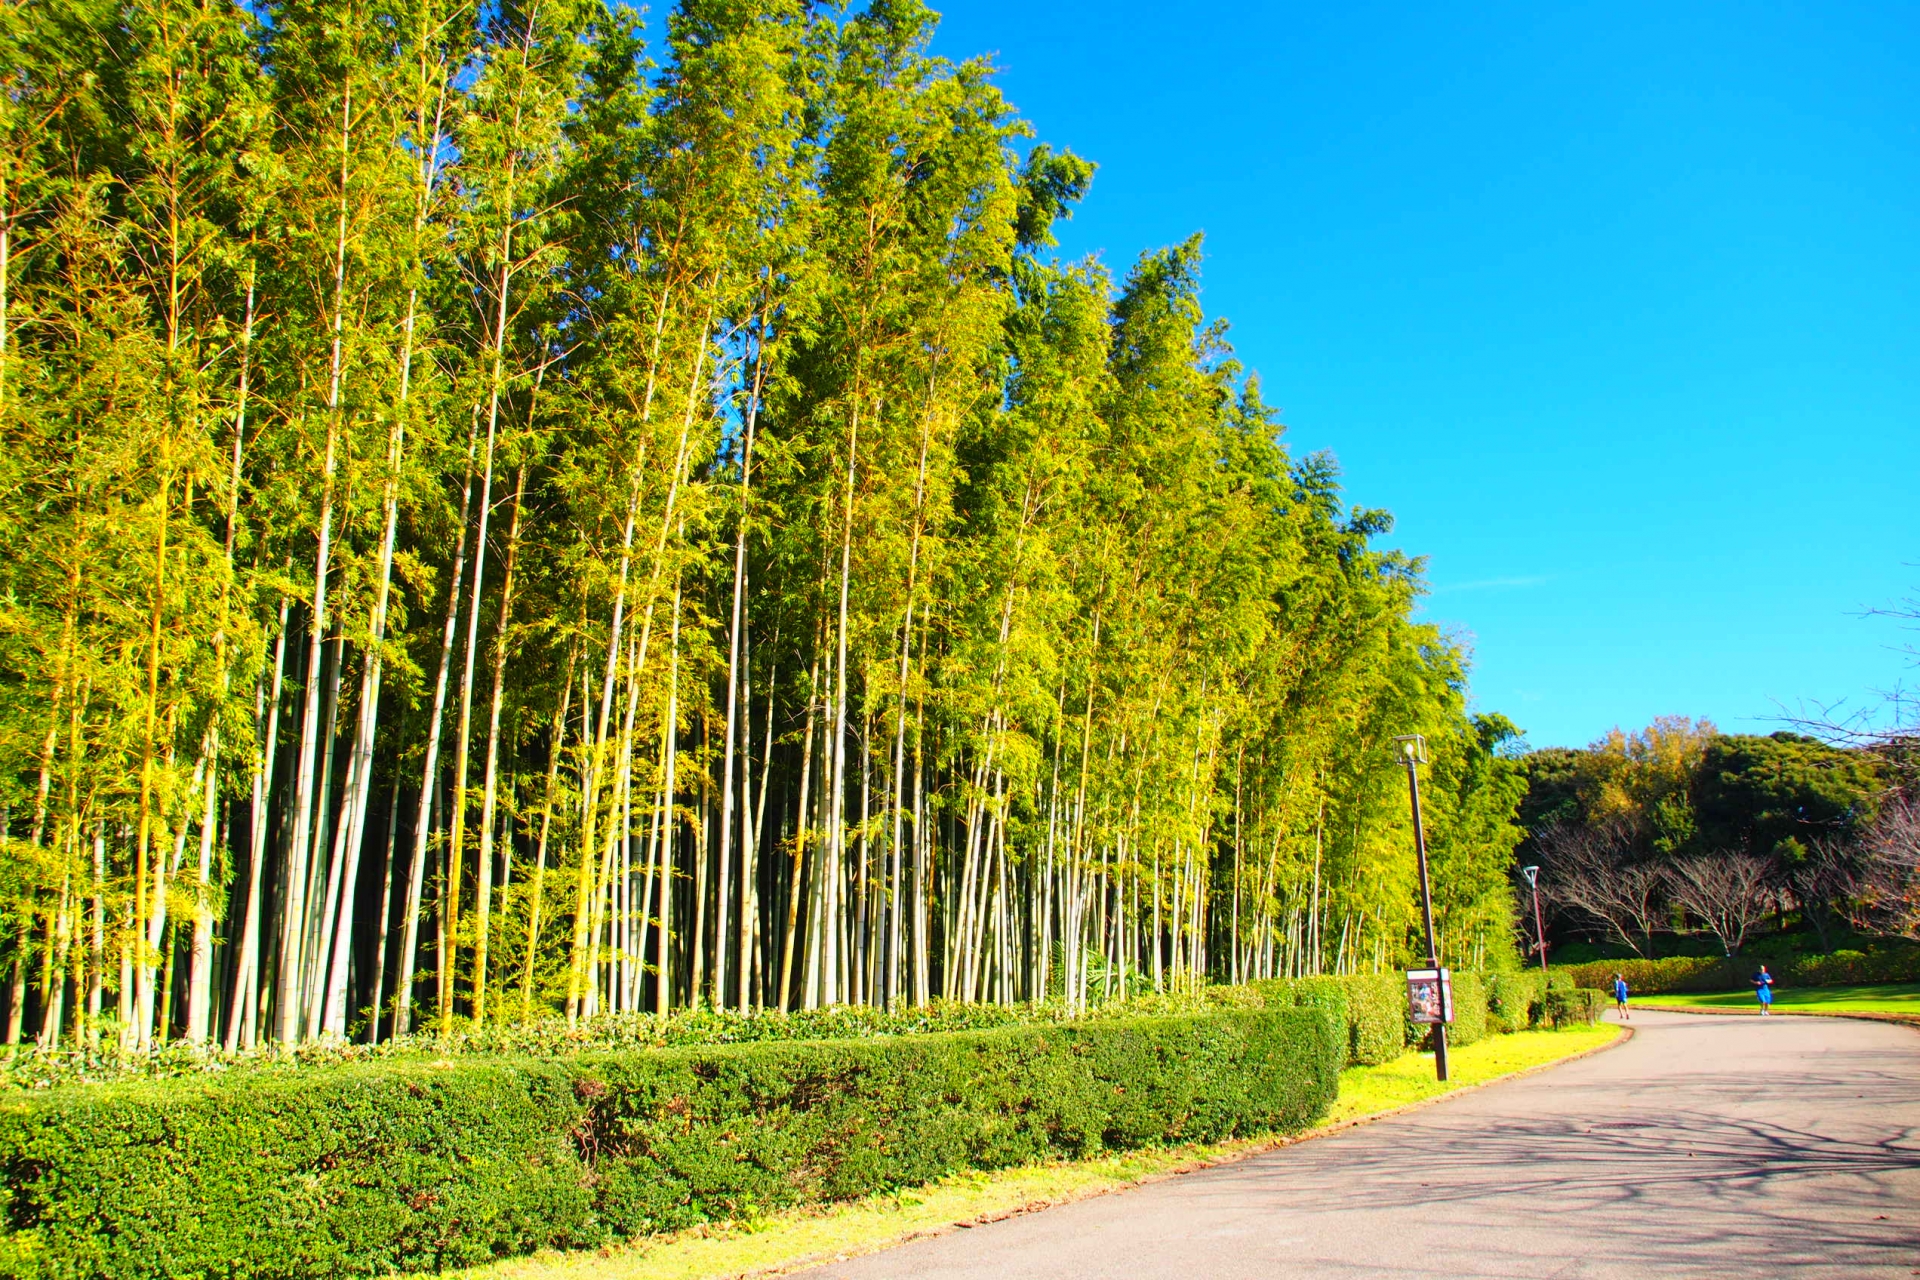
pixel 1620 997
pixel 1763 987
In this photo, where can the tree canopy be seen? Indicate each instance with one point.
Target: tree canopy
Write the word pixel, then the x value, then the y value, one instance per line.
pixel 1681 822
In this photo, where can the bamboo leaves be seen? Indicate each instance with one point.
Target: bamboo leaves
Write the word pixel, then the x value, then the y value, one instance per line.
pixel 509 515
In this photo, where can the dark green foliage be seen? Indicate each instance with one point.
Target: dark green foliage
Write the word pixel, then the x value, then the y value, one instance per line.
pixel 338 1170
pixel 1648 977
pixel 1677 827
pixel 1324 993
pixel 1554 778
pixel 423 1166
pixel 1891 962
pixel 1306 993
pixel 1778 793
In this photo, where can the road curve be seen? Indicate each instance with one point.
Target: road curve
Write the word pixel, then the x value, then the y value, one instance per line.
pixel 1706 1146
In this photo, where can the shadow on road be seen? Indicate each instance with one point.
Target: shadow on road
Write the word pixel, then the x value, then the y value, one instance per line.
pixel 1729 1148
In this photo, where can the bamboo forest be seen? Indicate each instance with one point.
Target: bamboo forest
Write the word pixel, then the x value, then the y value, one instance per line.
pixel 532 511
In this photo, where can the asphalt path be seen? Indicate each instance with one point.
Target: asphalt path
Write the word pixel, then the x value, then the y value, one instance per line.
pixel 1705 1146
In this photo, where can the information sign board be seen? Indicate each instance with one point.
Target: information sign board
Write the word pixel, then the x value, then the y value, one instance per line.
pixel 1429 996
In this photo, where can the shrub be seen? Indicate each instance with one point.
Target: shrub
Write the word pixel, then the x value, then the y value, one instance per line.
pixel 1646 977
pixel 1515 1001
pixel 550 1037
pixel 1301 993
pixel 1890 962
pixel 1324 992
pixel 1376 1016
pixel 1894 963
pixel 412 1166
pixel 1372 1005
pixel 1469 1009
pixel 1579 1007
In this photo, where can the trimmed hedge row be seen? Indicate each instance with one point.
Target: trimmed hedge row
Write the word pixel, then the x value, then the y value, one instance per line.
pixel 1373 1007
pixel 1469 1009
pixel 420 1167
pixel 1515 1001
pixel 1892 963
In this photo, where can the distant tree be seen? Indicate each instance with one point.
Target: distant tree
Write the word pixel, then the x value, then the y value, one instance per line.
pixel 1591 873
pixel 1553 777
pixel 1728 892
pixel 1826 876
pixel 1638 784
pixel 1887 888
pixel 1773 794
pixel 1796 802
pixel 1647 779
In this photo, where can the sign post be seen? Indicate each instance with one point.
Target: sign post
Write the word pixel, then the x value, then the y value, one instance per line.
pixel 1413 751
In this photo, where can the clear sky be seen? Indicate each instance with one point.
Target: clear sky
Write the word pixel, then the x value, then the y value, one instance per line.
pixel 1615 306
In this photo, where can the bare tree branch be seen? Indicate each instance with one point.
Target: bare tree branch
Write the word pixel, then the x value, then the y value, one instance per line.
pixel 1888 892
pixel 1728 892
pixel 1589 870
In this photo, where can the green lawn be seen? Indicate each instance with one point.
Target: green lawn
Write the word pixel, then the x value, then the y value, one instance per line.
pixel 1900 998
pixel 790 1240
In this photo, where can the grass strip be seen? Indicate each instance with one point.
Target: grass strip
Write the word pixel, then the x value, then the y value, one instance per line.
pixel 792 1240
pixel 1884 998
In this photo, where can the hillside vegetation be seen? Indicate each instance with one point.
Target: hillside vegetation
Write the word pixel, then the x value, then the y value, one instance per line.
pixel 1682 839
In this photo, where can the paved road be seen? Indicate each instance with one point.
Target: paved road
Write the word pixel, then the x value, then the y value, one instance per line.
pixel 1706 1146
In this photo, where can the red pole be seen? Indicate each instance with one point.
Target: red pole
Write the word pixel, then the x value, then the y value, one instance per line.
pixel 1539 930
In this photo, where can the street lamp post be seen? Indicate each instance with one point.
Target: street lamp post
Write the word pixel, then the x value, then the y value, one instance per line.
pixel 1412 752
pixel 1539 930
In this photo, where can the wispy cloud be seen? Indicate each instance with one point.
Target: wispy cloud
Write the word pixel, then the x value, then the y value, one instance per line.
pixel 1489 584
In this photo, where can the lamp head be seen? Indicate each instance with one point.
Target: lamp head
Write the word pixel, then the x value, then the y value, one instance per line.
pixel 1532 874
pixel 1413 747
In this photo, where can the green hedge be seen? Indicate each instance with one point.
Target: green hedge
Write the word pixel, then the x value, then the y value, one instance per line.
pixel 1374 1007
pixel 1646 977
pixel 1516 1001
pixel 605 1033
pixel 1469 1014
pixel 1469 1009
pixel 1581 1006
pixel 379 1167
pixel 1890 963
pixel 1853 968
pixel 1377 1014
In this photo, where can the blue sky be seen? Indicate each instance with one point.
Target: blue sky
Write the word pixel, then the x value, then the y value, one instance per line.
pixel 1615 307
